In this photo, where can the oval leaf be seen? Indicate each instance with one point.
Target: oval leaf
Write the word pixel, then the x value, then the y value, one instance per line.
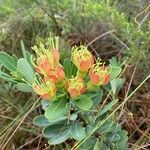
pixel 25 69
pixel 24 87
pixel 41 121
pixel 54 130
pixel 115 71
pixel 7 61
pixel 77 131
pixel 62 137
pixel 83 102
pixel 55 109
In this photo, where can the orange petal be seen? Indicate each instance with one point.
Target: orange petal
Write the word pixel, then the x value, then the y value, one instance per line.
pixel 82 90
pixel 85 65
pixel 60 72
pixel 74 93
pixel 94 78
pixel 45 96
pixel 53 78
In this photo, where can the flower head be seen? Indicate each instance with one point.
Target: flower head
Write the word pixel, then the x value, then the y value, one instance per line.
pixel 46 90
pixel 55 75
pixel 99 74
pixel 47 56
pixel 82 58
pixel 75 87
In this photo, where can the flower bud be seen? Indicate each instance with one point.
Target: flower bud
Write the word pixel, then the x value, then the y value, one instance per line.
pixel 99 74
pixel 47 56
pixel 56 75
pixel 82 58
pixel 75 87
pixel 46 90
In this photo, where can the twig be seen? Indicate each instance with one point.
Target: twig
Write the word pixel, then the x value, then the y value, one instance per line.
pixel 100 36
pixel 135 19
pixel 20 123
pixel 136 146
pixel 142 147
pixel 143 19
pixel 120 41
pixel 30 141
pixel 126 95
pixel 39 142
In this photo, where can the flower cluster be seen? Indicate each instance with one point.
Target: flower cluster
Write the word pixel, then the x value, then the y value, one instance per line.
pixel 47 62
pixel 82 58
pixel 75 86
pixel 52 72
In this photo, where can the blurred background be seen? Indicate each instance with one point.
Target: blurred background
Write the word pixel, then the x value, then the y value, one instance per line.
pixel 119 28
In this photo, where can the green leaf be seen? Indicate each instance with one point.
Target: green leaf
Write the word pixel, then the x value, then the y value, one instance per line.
pixel 25 69
pixel 67 68
pixel 105 147
pixel 83 102
pixel 88 144
pixel 106 127
pixel 55 129
pixel 77 131
pixel 23 50
pixel 7 61
pixel 24 87
pixel 98 98
pixel 91 94
pixel 74 69
pixel 116 84
pixel 29 58
pixel 113 61
pixel 115 71
pixel 62 137
pixel 56 109
pixel 115 137
pixel 7 77
pixel 97 145
pixel 15 58
pixel 41 121
pixel 107 107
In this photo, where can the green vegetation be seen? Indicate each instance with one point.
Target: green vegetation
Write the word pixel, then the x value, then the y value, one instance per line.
pixel 109 28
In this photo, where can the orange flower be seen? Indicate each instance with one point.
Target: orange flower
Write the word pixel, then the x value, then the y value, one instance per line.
pixel 46 90
pixel 47 56
pixel 75 87
pixel 82 58
pixel 56 75
pixel 99 74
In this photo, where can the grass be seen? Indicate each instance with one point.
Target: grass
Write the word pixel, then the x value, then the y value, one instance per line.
pixel 18 109
pixel 13 114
